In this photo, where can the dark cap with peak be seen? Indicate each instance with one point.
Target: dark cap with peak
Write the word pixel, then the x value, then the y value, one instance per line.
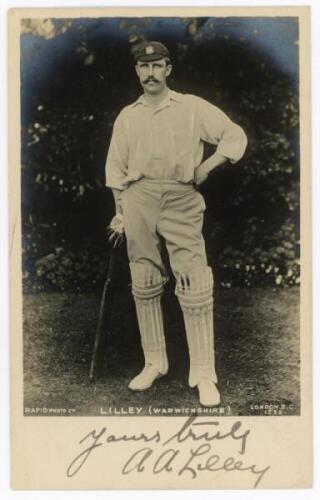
pixel 151 51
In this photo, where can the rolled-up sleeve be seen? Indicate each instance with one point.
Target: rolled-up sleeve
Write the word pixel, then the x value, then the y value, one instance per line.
pixel 117 158
pixel 217 129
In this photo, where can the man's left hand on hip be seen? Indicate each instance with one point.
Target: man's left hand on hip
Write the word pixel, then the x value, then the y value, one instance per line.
pixel 200 174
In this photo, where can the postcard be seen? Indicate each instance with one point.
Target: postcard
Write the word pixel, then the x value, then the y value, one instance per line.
pixel 160 248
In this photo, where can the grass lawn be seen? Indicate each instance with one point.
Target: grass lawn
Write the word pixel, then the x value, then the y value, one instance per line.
pixel 257 354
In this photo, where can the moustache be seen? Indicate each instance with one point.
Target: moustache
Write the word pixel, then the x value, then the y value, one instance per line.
pixel 147 80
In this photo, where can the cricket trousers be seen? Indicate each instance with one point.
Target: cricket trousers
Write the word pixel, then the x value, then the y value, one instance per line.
pixel 174 211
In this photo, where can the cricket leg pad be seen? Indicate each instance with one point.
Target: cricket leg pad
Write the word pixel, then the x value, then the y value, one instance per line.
pixel 195 294
pixel 147 289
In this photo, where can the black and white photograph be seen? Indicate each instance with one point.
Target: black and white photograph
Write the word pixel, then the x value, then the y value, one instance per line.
pixel 160 226
pixel 160 248
pixel 161 257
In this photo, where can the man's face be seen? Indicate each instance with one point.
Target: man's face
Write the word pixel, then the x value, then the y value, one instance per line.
pixel 153 75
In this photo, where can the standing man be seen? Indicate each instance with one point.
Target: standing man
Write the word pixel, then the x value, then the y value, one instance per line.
pixel 153 164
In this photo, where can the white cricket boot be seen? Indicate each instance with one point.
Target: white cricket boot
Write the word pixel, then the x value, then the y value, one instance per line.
pixel 208 393
pixel 145 379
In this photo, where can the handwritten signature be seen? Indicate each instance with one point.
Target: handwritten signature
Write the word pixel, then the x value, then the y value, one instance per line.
pixel 175 459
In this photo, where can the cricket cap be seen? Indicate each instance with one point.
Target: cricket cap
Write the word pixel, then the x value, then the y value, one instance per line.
pixel 151 51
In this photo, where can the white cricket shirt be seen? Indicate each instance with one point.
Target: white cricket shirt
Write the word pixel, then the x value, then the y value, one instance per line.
pixel 167 142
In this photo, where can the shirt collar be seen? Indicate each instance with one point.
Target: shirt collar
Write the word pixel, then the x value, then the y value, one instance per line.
pixel 171 96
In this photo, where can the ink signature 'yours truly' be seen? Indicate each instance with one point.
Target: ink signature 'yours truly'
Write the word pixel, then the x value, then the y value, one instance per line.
pixel 200 457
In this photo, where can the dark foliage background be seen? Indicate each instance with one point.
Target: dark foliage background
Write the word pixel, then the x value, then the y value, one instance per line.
pixel 77 75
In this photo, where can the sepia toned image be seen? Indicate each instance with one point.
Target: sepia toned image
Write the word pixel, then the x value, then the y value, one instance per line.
pixel 161 244
pixel 165 91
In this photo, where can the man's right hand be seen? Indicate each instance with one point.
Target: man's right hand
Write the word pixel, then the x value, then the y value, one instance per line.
pixel 116 230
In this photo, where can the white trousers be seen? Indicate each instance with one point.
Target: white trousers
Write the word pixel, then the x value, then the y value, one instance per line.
pixel 174 211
